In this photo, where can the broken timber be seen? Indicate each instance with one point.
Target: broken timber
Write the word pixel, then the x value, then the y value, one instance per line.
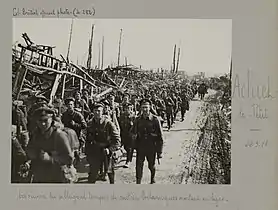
pixel 32 67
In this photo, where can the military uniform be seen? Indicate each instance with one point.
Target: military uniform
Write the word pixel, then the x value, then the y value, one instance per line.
pixel 86 97
pixel 126 123
pixel 109 115
pixel 39 101
pixel 18 118
pixel 83 106
pixel 55 143
pixel 75 121
pixel 160 106
pixel 19 157
pixel 100 136
pixel 148 143
pixel 169 111
pixel 184 106
pixel 202 90
pixel 175 107
pixel 115 107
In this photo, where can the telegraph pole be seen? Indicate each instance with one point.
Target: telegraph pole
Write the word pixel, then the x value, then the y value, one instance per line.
pixel 102 57
pixel 119 53
pixel 70 37
pixel 174 59
pixel 177 67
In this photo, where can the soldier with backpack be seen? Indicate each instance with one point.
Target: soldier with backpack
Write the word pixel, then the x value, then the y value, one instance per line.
pixel 49 150
pixel 74 120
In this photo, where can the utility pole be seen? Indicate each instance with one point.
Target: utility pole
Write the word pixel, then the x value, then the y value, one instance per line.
pixel 174 59
pixel 119 53
pixel 89 61
pixel 231 67
pixel 98 66
pixel 70 37
pixel 177 67
pixel 102 50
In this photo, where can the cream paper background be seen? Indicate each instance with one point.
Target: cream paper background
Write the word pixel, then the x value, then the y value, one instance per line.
pixel 254 170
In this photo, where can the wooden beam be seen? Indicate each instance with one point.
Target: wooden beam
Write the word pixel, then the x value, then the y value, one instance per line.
pixel 54 88
pixel 93 80
pixel 80 85
pixel 60 72
pixel 63 86
pixel 121 85
pixel 103 93
pixel 84 72
pixel 40 53
pixel 22 76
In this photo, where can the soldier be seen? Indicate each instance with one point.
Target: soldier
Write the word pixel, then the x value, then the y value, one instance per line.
pixel 86 97
pixel 184 105
pixel 202 90
pixel 81 104
pixel 102 145
pixel 37 102
pixel 175 107
pixel 18 116
pixel 19 157
pixel 74 120
pixel 135 102
pixel 160 107
pixel 49 149
pixel 107 111
pixel 114 106
pixel 126 99
pixel 127 119
pixel 112 117
pixel 169 104
pixel 147 133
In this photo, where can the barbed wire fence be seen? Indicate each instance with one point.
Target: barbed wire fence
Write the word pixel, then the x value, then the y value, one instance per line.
pixel 209 161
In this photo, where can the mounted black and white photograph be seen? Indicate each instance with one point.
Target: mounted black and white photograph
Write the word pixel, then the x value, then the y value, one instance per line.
pixel 121 101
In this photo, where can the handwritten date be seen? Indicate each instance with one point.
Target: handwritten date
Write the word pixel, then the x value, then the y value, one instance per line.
pixel 256 144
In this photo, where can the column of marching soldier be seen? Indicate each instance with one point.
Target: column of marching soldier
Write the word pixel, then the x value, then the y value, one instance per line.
pixel 56 141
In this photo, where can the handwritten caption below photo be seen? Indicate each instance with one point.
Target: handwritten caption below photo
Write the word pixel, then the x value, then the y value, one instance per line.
pixel 145 196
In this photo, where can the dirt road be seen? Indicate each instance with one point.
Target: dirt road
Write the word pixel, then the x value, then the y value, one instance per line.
pixel 174 162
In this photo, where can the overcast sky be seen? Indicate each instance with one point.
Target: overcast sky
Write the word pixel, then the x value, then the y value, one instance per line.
pixel 205 44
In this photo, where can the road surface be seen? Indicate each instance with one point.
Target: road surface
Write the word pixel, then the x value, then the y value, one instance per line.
pixel 175 153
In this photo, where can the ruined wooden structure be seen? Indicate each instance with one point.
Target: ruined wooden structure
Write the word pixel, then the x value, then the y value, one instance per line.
pixel 37 70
